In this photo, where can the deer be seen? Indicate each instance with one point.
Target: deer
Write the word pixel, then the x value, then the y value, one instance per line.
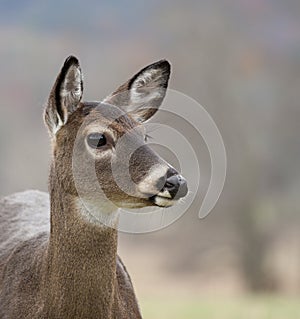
pixel 58 259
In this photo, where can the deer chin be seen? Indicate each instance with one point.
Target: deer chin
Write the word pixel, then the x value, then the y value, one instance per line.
pixel 154 200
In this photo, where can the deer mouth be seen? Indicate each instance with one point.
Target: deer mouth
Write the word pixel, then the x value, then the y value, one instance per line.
pixel 174 189
pixel 162 201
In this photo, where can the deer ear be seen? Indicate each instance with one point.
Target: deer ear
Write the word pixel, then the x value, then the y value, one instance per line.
pixel 142 95
pixel 65 95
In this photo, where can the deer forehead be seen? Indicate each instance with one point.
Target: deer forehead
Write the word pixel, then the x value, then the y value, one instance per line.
pixel 108 118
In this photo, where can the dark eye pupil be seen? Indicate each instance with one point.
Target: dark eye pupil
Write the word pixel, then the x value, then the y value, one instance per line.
pixel 96 140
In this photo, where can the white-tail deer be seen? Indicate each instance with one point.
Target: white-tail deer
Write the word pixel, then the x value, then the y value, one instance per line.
pixel 70 268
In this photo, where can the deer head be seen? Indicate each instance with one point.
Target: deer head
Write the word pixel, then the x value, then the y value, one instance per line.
pixel 109 136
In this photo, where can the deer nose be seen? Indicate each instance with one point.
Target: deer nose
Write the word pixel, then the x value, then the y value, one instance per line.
pixel 176 185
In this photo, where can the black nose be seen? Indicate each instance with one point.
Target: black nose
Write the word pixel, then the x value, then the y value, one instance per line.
pixel 176 185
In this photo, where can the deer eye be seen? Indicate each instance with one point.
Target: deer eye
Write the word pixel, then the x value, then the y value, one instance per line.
pixel 96 140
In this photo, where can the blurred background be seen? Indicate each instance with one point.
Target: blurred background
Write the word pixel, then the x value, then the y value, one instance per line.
pixel 239 59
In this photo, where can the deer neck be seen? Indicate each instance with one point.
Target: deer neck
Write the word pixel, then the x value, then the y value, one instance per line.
pixel 81 261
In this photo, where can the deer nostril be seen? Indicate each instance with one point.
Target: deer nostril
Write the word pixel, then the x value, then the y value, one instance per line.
pixel 169 185
pixel 172 182
pixel 176 185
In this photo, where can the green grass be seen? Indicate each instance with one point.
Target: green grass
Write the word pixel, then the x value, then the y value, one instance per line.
pixel 251 307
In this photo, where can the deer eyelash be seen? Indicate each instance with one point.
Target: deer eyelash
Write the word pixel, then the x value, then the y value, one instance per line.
pixel 147 137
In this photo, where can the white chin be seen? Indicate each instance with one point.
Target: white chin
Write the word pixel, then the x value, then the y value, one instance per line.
pixel 164 201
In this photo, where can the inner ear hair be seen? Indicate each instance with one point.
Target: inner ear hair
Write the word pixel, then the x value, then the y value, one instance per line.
pixel 65 95
pixel 69 88
pixel 150 83
pixel 145 90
